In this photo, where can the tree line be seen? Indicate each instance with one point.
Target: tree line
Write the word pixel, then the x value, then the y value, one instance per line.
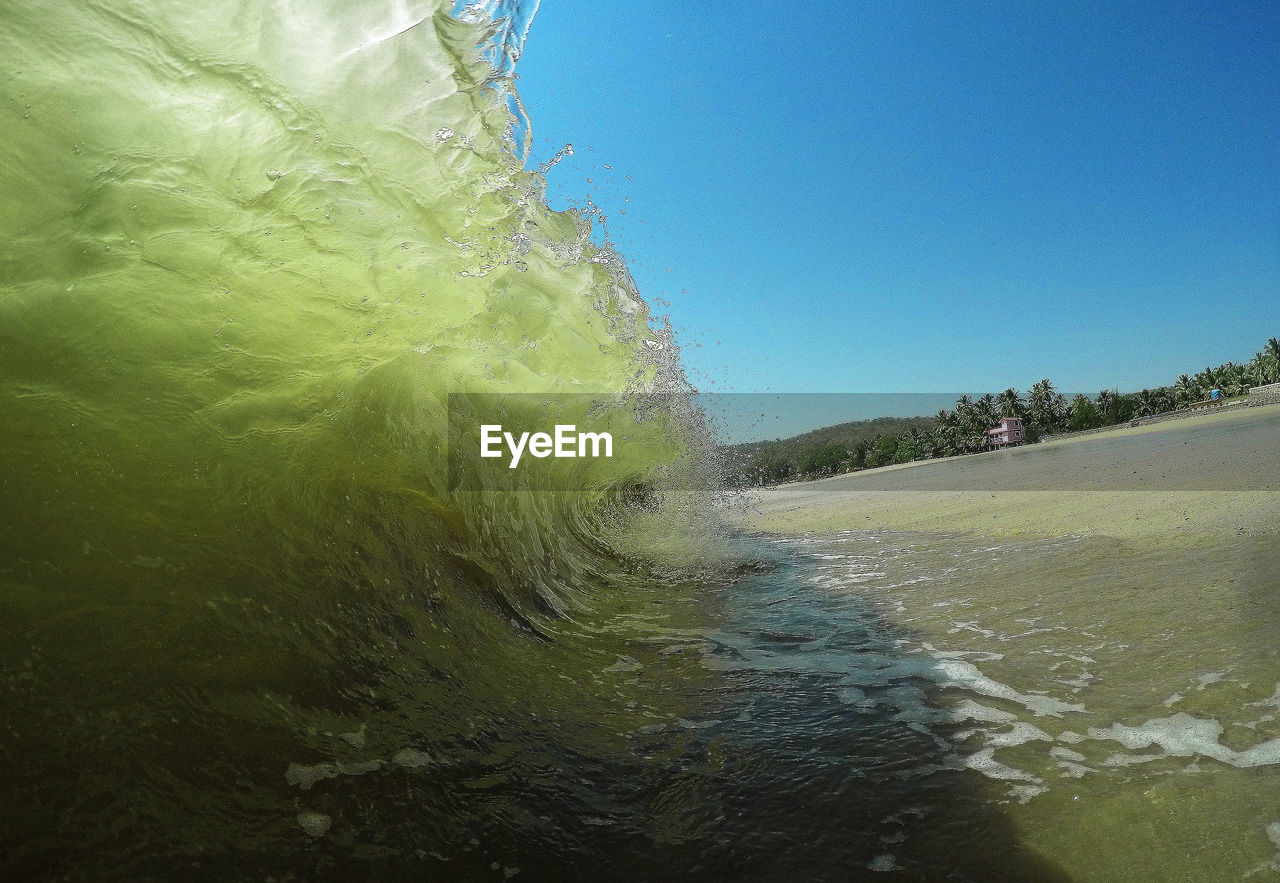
pixel 867 444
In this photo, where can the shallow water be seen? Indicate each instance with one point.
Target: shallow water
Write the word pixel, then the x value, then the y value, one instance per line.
pixel 1123 698
pixel 911 705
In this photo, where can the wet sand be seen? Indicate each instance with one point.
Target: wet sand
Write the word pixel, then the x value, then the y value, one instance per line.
pixel 1215 475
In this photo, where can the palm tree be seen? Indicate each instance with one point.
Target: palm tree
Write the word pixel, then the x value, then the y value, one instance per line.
pixel 1231 379
pixel 1105 402
pixel 1045 406
pixel 1082 412
pixel 1146 403
pixel 1253 372
pixel 1009 403
pixel 920 440
pixel 947 433
pixel 1269 361
pixel 968 422
pixel 1184 389
pixel 987 410
pixel 1205 381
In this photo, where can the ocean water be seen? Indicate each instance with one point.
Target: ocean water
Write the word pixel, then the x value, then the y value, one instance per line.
pixel 250 630
pixel 250 252
pixel 1118 698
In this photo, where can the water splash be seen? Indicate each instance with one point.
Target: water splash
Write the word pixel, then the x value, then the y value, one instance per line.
pixel 507 24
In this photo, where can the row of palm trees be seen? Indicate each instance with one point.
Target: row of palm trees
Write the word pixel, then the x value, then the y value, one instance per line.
pixel 1045 410
pixel 964 429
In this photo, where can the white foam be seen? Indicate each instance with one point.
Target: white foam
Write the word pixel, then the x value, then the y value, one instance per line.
pixel 1019 734
pixel 306 776
pixel 1212 677
pixel 314 823
pixel 984 762
pixel 1122 760
pixel 1073 770
pixel 955 673
pixel 1024 793
pixel 967 709
pixel 854 696
pixel 970 627
pixel 883 864
pixel 1023 786
pixel 1080 682
pixel 411 758
pixel 876 670
pixel 1181 735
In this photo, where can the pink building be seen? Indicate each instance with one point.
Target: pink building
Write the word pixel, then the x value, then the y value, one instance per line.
pixel 1009 432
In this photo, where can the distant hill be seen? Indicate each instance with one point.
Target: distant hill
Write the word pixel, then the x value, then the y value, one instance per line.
pixel 844 447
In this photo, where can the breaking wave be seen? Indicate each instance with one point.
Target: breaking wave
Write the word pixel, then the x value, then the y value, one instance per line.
pixel 250 251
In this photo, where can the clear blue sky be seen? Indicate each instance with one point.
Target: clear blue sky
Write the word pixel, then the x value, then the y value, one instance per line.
pixel 924 196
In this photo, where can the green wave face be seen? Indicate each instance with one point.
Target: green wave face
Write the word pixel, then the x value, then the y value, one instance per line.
pixel 249 251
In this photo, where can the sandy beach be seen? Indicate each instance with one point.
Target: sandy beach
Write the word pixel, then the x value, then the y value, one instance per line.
pixel 1213 475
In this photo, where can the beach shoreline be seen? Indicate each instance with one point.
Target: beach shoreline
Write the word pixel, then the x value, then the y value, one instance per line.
pixel 1212 476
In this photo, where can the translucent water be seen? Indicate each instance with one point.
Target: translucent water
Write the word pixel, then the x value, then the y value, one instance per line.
pixel 250 251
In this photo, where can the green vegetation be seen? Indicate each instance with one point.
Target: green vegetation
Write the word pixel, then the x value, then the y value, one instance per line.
pixel 846 447
pixel 866 444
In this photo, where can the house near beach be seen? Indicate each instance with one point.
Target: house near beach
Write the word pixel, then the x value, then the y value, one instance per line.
pixel 1009 432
